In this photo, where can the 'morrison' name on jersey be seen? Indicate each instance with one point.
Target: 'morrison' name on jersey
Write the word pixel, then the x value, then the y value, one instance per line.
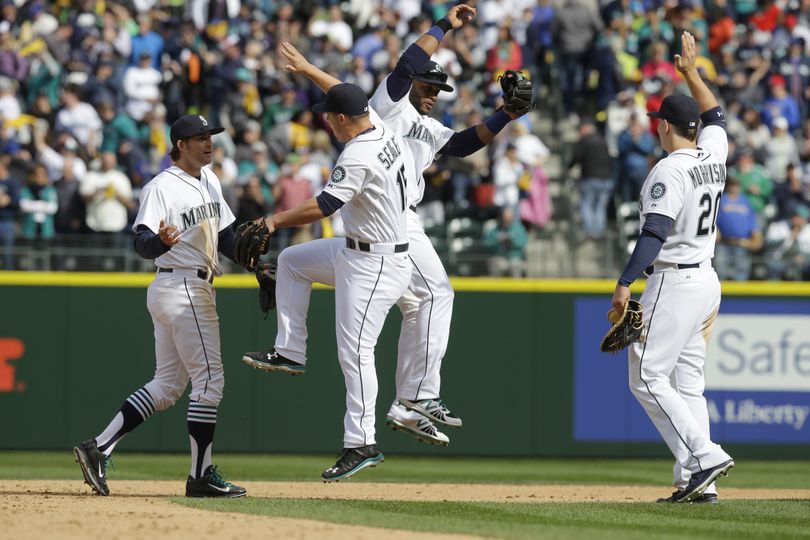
pixel 713 173
pixel 199 213
pixel 390 153
pixel 421 133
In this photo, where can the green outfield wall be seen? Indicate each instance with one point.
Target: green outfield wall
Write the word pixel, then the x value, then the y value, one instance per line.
pixel 74 346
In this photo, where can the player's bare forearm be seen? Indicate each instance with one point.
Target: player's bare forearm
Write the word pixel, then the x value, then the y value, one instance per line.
pixel 704 97
pixel 298 64
pixel 304 214
pixel 685 63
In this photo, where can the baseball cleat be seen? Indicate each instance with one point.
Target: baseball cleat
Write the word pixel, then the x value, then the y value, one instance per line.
pixel 211 484
pixel 701 480
pixel 421 429
pixel 706 498
pixel 93 463
pixel 270 360
pixel 433 409
pixel 351 461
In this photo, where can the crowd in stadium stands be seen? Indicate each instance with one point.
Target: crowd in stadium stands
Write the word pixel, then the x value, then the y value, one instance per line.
pixel 88 89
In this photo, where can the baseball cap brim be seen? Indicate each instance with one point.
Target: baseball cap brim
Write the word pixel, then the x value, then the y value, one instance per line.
pixel 213 131
pixel 442 86
pixel 657 114
pixel 320 107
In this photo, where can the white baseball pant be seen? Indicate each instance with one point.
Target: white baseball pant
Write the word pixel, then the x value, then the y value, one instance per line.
pixel 187 343
pixel 666 370
pixel 426 311
pixel 366 287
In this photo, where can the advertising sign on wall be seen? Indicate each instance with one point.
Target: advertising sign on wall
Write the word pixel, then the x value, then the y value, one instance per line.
pixel 757 376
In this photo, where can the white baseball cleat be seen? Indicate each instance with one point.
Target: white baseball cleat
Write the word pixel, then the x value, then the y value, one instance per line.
pixel 421 429
pixel 433 409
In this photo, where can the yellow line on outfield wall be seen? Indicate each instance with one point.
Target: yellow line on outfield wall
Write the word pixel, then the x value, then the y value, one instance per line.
pixel 494 285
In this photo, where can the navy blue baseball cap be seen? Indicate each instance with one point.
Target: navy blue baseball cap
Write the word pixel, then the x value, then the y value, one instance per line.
pixel 679 110
pixel 192 126
pixel 344 98
pixel 433 74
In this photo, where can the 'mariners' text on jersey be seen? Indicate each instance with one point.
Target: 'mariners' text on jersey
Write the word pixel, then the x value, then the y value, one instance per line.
pixel 199 213
pixel 712 173
pixel 421 133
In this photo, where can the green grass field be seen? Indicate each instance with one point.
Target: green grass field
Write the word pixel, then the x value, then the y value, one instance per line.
pixel 738 519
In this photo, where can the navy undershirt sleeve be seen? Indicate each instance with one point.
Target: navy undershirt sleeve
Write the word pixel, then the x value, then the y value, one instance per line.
pixel 462 143
pixel 658 225
pixel 148 244
pixel 225 244
pixel 714 117
pixel 329 204
pixel 653 234
pixel 410 63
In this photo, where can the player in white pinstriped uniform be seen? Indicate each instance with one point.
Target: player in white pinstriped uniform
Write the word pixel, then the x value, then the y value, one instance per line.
pixel 679 204
pixel 427 306
pixel 370 271
pixel 182 223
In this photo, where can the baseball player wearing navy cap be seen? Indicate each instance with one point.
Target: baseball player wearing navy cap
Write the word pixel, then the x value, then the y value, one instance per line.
pixel 427 306
pixel 182 224
pixel 679 205
pixel 369 268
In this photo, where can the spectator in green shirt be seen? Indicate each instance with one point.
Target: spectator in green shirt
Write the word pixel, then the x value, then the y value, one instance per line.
pixel 755 181
pixel 117 127
pixel 508 241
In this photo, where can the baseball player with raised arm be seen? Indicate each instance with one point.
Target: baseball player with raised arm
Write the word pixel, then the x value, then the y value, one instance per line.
pixel 427 306
pixel 182 223
pixel 371 270
pixel 679 204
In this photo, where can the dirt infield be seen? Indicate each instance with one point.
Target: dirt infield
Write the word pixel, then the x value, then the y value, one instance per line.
pixel 66 509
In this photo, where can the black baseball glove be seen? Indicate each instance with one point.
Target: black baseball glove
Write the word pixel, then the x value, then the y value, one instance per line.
pixel 626 329
pixel 266 276
pixel 517 93
pixel 252 241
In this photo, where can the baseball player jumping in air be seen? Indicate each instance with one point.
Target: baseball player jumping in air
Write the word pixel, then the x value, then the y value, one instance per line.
pixel 182 223
pixel 679 204
pixel 370 271
pixel 427 305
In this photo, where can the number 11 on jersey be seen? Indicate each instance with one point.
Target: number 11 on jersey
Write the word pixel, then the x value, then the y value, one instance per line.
pixel 403 185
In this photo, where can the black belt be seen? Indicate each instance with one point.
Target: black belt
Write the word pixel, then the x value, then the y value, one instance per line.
pixel 365 246
pixel 413 207
pixel 202 274
pixel 650 269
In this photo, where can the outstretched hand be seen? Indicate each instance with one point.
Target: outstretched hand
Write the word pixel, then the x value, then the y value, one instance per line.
pixel 460 15
pixel 297 62
pixel 685 61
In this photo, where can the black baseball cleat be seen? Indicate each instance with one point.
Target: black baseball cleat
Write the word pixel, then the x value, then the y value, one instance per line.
pixel 703 479
pixel 706 498
pixel 270 360
pixel 211 484
pixel 353 460
pixel 94 466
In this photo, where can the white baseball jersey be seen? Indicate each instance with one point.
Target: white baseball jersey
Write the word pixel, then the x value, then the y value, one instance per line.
pixel 196 208
pixel 424 135
pixel 371 176
pixel 686 186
